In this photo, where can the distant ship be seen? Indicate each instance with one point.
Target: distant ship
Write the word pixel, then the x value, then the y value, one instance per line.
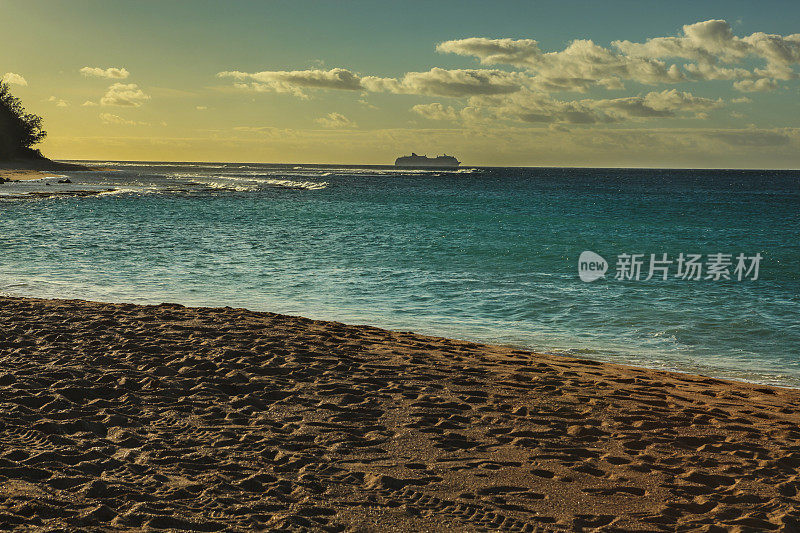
pixel 415 160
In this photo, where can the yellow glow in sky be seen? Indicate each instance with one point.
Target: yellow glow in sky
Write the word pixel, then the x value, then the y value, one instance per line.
pixel 343 83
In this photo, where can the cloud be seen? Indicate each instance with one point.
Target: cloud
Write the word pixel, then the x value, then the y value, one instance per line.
pixel 436 111
pixel 631 107
pixel 753 138
pixel 125 95
pixel 755 86
pixel 467 116
pixel 294 81
pixel 112 73
pixel 776 49
pixel 336 120
pixel 201 107
pixel 520 80
pixel 707 41
pixel 547 111
pixel 58 101
pixel 667 103
pixel 581 65
pixel 442 82
pixel 707 71
pixel 712 42
pixel 710 45
pixel 680 102
pixel 519 53
pixel 535 107
pixel 89 103
pixel 14 79
pixel 270 132
pixel 109 118
pixel 435 82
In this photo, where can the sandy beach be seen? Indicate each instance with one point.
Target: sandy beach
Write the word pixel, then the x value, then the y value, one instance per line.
pixel 34 169
pixel 532 198
pixel 39 169
pixel 119 417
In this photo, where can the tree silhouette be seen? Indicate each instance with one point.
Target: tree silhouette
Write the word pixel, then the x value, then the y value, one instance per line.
pixel 19 130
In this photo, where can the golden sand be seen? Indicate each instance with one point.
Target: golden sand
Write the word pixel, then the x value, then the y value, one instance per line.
pixel 34 169
pixel 26 175
pixel 166 417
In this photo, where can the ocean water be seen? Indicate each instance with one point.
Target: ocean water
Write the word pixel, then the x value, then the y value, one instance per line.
pixel 486 254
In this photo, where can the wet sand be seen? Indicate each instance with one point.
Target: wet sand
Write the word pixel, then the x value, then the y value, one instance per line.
pixel 124 417
pixel 38 169
pixel 34 169
pixel 26 175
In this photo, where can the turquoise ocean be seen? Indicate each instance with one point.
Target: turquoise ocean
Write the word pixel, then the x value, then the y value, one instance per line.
pixel 485 254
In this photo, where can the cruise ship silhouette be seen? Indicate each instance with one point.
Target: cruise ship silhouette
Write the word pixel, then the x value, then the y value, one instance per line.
pixel 415 160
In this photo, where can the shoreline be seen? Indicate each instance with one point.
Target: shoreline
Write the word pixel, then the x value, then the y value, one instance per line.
pixel 33 169
pixel 675 373
pixel 144 416
pixel 629 358
pixel 561 352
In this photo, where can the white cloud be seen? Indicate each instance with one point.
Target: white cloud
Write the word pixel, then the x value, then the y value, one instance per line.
pixel 58 101
pixel 522 90
pixel 707 71
pixel 680 102
pixel 201 108
pixel 442 82
pixel 89 103
pixel 755 86
pixel 707 41
pixel 535 107
pixel 712 42
pixel 109 118
pixel 14 79
pixel 436 82
pixel 112 73
pixel 519 53
pixel 294 81
pixel 336 120
pixel 469 115
pixel 436 111
pixel 125 95
pixel 581 65
pixel 776 49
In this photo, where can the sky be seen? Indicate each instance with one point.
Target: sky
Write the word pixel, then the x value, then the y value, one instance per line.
pixel 570 83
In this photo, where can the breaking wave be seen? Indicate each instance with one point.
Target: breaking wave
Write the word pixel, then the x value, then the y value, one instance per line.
pixel 291 184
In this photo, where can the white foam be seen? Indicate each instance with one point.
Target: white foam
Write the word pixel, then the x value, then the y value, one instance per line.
pixel 291 184
pixel 250 182
pixel 228 184
pixel 130 190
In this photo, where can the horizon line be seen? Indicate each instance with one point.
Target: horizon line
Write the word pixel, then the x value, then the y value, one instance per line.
pixel 444 169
